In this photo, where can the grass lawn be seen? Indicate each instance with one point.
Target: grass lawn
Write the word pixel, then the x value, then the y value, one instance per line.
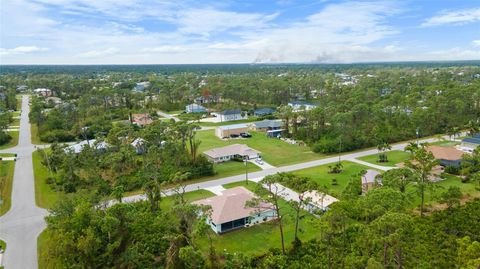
pixel 274 151
pixel 175 112
pixel 6 179
pixel 45 197
pixel 468 189
pixel 15 122
pixel 445 143
pixel 34 134
pixel 320 175
pixel 42 248
pixel 259 238
pixel 7 155
pixel 167 202
pixel 394 157
pixel 13 142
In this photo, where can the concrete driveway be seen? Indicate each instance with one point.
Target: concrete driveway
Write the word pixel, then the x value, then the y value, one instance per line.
pixel 22 224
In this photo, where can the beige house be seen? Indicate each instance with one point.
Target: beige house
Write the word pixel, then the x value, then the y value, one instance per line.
pixel 229 210
pixel 141 119
pixel 317 201
pixel 223 154
pixel 227 130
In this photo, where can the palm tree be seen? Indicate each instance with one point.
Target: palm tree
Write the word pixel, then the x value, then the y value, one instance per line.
pixel 411 147
pixel 472 127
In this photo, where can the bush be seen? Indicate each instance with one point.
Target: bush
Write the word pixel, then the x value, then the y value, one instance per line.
pixel 450 169
pixel 57 136
pixel 4 138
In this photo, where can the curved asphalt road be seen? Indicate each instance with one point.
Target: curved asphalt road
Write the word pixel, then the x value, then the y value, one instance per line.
pixel 22 224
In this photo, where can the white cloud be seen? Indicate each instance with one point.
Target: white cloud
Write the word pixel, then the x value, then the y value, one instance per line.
pixel 21 50
pixel 99 53
pixel 166 49
pixel 476 43
pixel 203 22
pixel 456 17
pixel 455 54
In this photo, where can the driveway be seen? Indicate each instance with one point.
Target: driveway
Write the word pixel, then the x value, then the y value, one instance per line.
pixel 168 116
pixel 22 224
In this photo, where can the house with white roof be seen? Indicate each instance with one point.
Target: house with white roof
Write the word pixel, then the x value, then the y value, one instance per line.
pixel 229 211
pixel 317 201
pixel 78 147
pixel 298 106
pixel 43 92
pixel 230 152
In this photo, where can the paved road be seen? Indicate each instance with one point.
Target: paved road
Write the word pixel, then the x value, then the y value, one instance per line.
pixel 168 116
pixel 22 224
pixel 288 168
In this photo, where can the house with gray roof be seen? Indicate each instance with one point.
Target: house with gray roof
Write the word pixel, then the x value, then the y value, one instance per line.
pixel 266 125
pixel 261 112
pixel 230 115
pixel 469 144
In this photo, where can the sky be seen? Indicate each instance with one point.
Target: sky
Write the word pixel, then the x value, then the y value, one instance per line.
pixel 237 31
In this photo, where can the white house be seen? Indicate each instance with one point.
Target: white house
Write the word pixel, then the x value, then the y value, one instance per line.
pixel 229 210
pixel 78 147
pixel 43 92
pixel 230 115
pixel 317 201
pixel 230 152
pixel 140 145
pixel 298 106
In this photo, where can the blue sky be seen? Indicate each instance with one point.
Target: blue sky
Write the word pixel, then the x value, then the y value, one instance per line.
pixel 229 31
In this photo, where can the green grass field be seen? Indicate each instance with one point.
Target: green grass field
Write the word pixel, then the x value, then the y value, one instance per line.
pixel 445 143
pixel 15 122
pixel 6 178
pixel 320 175
pixel 394 157
pixel 167 202
pixel 35 136
pixel 3 246
pixel 273 151
pixel 45 197
pixel 13 142
pixel 259 238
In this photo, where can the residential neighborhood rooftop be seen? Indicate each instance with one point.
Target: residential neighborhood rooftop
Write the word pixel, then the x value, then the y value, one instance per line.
pixel 445 153
pixel 235 149
pixel 231 205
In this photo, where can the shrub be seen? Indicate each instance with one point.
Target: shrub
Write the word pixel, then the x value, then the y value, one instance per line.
pixel 4 138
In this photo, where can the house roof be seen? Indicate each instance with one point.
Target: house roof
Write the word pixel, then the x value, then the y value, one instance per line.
pixel 472 140
pixel 231 205
pixel 268 124
pixel 300 103
pixel 230 112
pixel 233 126
pixel 265 110
pixel 138 142
pixel 142 119
pixel 316 199
pixel 78 147
pixel 369 176
pixel 235 149
pixel 445 153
